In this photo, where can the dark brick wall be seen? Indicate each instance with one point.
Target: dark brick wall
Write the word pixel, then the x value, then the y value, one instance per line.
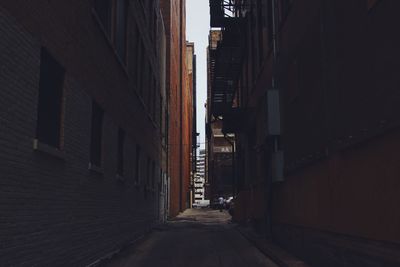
pixel 55 211
pixel 337 72
pixel 323 248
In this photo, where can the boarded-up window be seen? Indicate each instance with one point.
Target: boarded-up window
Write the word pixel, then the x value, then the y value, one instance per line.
pixel 50 100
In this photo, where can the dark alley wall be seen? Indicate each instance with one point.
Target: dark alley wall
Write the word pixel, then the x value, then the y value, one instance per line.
pixel 336 72
pixel 57 207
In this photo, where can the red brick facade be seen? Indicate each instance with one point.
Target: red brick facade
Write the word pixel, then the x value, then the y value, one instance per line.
pixel 180 115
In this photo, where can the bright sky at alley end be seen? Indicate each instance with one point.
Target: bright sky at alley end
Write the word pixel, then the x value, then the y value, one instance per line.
pixel 197 29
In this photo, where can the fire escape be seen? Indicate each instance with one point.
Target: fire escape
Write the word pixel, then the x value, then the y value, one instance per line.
pixel 226 57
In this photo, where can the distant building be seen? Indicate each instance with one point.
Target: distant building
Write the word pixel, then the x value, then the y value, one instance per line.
pixel 199 177
pixel 180 106
pixel 191 85
pixel 220 161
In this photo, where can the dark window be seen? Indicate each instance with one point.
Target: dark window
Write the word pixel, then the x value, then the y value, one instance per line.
pixel 371 3
pixel 121 140
pixel 141 68
pixel 148 172
pixel 260 30
pixel 148 175
pixel 137 164
pixel 113 17
pixel 135 53
pixel 97 129
pixel 270 21
pixel 153 176
pixel 155 98
pixel 120 30
pixel 50 100
pixel 147 87
pixel 103 9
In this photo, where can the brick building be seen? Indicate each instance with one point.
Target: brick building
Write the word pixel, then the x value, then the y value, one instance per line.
pixel 220 147
pixel 192 123
pixel 82 127
pixel 199 178
pixel 310 94
pixel 180 105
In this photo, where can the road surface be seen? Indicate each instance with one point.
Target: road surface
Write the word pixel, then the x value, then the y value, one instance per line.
pixel 196 238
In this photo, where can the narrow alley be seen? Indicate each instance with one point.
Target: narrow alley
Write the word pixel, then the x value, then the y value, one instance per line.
pixel 195 238
pixel 126 124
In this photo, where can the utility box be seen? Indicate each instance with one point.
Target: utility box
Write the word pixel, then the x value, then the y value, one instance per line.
pixel 273 112
pixel 277 166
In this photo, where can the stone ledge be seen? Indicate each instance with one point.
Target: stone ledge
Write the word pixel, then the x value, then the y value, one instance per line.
pixel 47 149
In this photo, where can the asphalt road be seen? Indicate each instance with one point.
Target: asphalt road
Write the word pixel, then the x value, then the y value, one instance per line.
pixel 196 238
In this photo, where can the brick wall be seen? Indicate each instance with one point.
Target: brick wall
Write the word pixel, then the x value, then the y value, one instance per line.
pixel 55 211
pixel 179 132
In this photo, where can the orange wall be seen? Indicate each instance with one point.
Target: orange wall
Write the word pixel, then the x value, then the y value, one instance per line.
pixel 175 19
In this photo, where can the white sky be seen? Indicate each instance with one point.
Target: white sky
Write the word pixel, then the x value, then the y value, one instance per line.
pixel 197 29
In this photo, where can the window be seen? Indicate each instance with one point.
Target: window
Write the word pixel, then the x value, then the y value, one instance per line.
pixel 270 22
pixel 135 53
pixel 153 176
pixel 96 135
pixel 120 156
pixel 137 165
pixel 121 28
pixel 103 9
pixel 148 175
pixel 49 116
pixel 260 31
pixel 113 17
pixel 371 3
pixel 140 66
pixel 148 172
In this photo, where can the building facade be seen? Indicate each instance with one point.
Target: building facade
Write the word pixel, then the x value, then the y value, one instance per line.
pixel 81 126
pixel 180 105
pixel 220 147
pixel 199 178
pixel 313 112
pixel 191 79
